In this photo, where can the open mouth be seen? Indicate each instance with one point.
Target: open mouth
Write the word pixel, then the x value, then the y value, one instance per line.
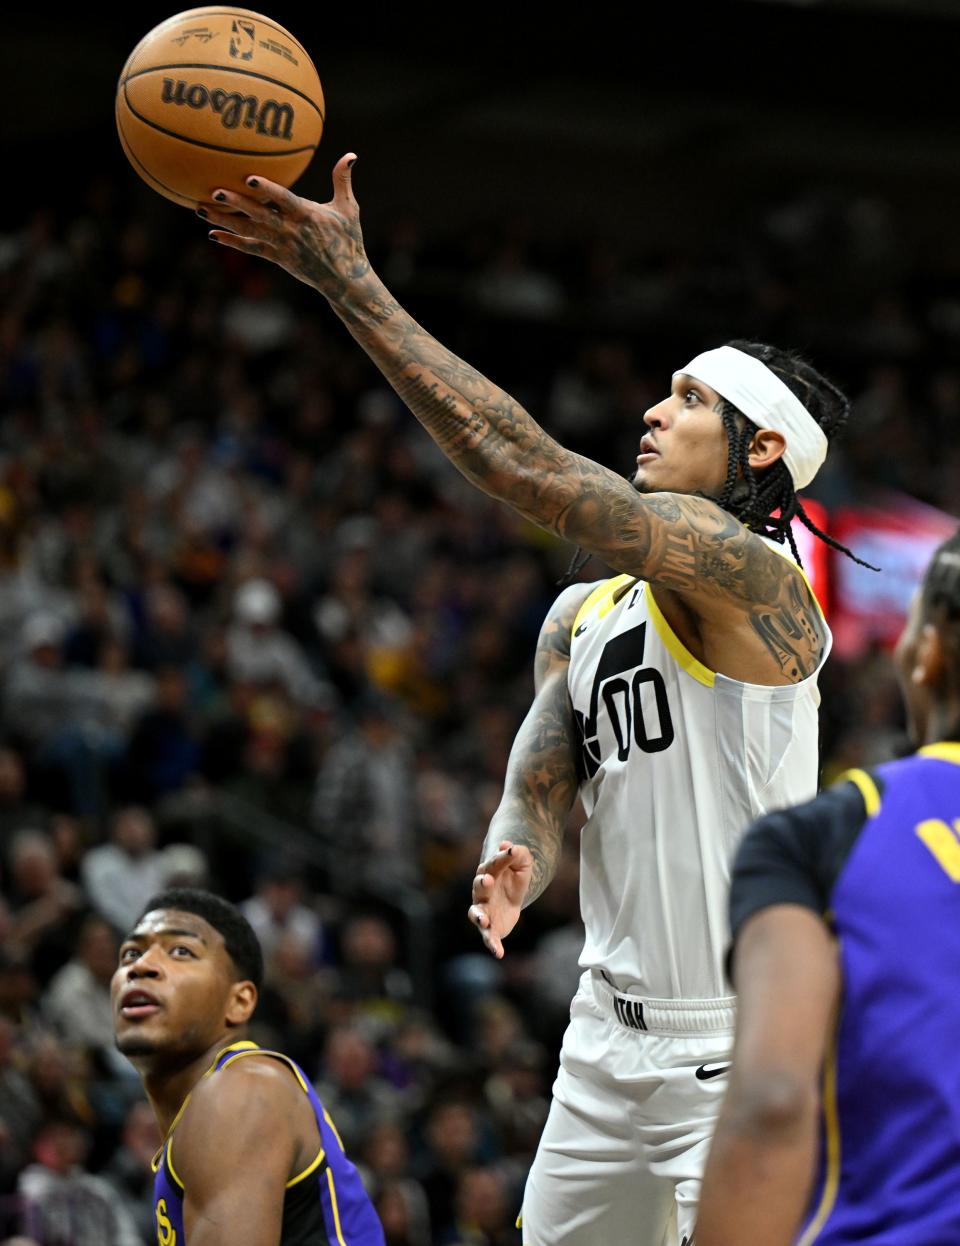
pixel 135 1005
pixel 648 451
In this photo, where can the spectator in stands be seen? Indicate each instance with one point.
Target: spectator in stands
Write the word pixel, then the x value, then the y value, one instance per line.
pixel 122 875
pixel 63 1203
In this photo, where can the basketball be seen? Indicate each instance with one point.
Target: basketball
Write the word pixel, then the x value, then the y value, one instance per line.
pixel 213 94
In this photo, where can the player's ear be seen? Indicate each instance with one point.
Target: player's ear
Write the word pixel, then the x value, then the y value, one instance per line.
pixel 241 1003
pixel 929 660
pixel 766 446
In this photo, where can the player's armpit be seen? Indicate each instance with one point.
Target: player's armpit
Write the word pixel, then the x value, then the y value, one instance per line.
pixel 762 1162
pixel 234 1152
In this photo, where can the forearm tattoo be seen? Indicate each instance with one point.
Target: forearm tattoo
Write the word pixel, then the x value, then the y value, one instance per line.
pixel 541 783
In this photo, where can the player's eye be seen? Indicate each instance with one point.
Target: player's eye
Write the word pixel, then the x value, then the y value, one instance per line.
pixel 181 949
pixel 691 396
pixel 128 954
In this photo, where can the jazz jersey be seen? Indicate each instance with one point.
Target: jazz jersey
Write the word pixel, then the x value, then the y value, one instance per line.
pixel 879 853
pixel 676 762
pixel 325 1205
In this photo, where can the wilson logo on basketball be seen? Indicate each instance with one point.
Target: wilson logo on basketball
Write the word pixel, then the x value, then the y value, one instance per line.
pixel 268 117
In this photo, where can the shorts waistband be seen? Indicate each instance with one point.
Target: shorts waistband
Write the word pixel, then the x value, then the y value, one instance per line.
pixel 672 1017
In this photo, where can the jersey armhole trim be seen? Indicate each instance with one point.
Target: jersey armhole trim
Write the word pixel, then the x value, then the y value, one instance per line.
pixel 675 646
pixel 173 1172
pixel 312 1167
pixel 867 787
pixel 276 1055
pixel 607 590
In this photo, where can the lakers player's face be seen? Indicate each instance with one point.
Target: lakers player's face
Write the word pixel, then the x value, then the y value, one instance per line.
pixel 684 448
pixel 174 991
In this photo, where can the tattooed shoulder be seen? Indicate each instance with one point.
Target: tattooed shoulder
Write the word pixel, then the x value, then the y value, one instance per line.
pixel 791 628
pixel 553 643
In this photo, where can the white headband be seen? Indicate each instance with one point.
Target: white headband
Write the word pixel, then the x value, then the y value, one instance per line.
pixel 762 397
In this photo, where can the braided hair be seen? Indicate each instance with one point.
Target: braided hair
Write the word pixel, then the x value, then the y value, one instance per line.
pixel 751 496
pixel 940 599
pixel 754 496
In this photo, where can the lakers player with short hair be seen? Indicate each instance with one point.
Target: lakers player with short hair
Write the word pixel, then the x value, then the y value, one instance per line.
pixel 249 1154
pixel 679 698
pixel 845 1128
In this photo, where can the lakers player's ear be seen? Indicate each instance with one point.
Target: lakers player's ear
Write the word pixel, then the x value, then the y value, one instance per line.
pixel 766 446
pixel 241 1003
pixel 929 659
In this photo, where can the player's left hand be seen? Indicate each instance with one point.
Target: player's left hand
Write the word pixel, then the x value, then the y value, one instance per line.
pixel 318 243
pixel 499 890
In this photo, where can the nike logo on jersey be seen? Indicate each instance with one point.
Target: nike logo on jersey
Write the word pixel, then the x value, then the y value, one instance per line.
pixel 581 629
pixel 706 1071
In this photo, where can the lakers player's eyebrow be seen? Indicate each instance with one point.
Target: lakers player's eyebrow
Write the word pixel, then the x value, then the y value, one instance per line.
pixel 138 937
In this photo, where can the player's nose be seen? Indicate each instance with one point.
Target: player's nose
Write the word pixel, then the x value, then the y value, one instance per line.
pixel 145 966
pixel 656 416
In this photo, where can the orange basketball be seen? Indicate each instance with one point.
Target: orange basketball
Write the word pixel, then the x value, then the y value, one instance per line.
pixel 213 94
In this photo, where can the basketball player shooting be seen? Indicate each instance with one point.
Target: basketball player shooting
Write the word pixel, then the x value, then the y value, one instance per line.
pixel 679 698
pixel 249 1154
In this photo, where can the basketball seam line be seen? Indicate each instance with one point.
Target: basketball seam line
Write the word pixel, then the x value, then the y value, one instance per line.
pixel 145 172
pixel 248 73
pixel 196 142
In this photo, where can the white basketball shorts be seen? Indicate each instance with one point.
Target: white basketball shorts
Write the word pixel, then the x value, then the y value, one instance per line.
pixel 634 1107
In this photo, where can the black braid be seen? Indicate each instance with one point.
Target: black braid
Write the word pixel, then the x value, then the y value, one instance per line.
pixel 941 584
pixel 753 498
pixel 940 604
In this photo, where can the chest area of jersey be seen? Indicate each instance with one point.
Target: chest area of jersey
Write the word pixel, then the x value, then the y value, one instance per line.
pixel 622 680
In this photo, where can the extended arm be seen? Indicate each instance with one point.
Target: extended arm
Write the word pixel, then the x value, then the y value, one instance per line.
pixel 685 543
pixel 763 1158
pixel 522 846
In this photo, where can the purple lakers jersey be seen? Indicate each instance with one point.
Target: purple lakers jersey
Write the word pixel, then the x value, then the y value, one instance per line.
pixel 325 1205
pixel 879 854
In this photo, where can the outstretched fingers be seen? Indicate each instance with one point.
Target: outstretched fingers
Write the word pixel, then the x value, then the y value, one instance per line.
pixel 249 246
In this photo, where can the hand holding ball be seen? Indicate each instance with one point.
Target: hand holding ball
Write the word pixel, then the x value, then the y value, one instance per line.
pixel 213 94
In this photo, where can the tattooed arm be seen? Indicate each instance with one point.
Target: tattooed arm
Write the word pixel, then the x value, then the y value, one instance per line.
pixel 685 544
pixel 523 844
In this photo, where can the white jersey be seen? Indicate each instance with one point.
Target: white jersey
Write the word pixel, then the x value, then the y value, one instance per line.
pixel 678 761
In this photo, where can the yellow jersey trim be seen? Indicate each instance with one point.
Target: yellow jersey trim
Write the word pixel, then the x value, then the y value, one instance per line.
pixel 677 649
pixel 173 1171
pixel 831 1124
pixel 254 1050
pixel 336 1209
pixel 603 599
pixel 336 1133
pixel 944 750
pixel 868 789
pixel 302 1176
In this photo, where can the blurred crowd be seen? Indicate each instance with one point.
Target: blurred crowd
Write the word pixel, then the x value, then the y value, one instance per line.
pixel 257 635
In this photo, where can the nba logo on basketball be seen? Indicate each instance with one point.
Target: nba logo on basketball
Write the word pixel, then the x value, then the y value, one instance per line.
pixel 241 40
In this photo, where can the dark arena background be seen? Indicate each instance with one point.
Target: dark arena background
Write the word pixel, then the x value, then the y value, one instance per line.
pixel 256 634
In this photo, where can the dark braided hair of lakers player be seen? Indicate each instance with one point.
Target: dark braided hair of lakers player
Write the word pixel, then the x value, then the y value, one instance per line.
pixel 940 605
pixel 751 497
